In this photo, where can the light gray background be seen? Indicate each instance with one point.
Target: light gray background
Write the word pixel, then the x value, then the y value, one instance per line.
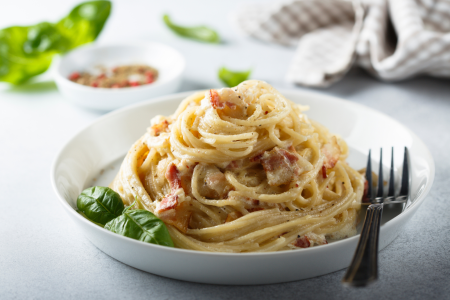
pixel 44 256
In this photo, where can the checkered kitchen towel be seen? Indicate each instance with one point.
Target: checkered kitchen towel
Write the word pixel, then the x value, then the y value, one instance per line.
pixel 393 39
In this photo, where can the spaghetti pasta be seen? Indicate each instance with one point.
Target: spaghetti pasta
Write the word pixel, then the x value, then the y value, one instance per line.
pixel 243 169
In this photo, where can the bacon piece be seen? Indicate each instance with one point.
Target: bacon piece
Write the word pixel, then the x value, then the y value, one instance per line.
pixel 215 180
pixel 170 210
pixel 186 178
pixel 217 104
pixel 253 209
pixel 186 184
pixel 232 165
pixel 316 239
pixel 231 105
pixel 179 217
pixel 332 152
pixel 170 202
pixel 159 128
pixel 257 158
pixel 290 156
pixel 280 166
pixel 302 242
pixel 215 184
pixel 215 100
pixel 173 176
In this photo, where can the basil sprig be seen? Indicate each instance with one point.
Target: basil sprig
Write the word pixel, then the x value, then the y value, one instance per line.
pixel 199 33
pixel 104 207
pixel 233 78
pixel 27 51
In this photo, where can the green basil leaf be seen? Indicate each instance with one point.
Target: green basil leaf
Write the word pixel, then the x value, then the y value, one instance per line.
pixel 27 51
pixel 44 37
pixel 84 216
pixel 199 33
pixel 84 23
pixel 100 204
pixel 142 225
pixel 232 78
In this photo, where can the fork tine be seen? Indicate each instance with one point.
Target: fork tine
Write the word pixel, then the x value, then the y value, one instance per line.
pixel 405 175
pixel 369 176
pixel 364 266
pixel 380 175
pixel 391 192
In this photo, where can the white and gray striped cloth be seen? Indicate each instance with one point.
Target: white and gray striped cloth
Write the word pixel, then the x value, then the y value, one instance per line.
pixel 393 39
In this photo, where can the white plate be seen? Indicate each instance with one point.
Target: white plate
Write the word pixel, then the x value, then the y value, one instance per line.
pixel 169 63
pixel 95 149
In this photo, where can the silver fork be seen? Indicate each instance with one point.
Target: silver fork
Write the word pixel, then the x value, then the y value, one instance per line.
pixel 363 269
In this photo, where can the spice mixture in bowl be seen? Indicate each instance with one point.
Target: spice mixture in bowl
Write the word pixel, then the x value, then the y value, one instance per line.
pixel 117 77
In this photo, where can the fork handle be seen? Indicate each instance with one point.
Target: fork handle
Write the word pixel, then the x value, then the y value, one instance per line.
pixel 364 267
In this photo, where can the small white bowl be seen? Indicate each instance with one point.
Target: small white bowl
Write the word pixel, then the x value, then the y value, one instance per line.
pixel 169 63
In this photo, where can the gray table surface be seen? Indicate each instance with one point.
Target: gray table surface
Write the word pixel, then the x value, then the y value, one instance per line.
pixel 44 256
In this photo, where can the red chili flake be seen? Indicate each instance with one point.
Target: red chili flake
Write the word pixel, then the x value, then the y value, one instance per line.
pixel 94 84
pixel 74 76
pixel 266 112
pixel 296 185
pixel 324 171
pixel 134 83
pixel 150 76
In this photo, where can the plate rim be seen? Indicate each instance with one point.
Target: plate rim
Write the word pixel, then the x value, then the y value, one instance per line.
pixel 408 211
